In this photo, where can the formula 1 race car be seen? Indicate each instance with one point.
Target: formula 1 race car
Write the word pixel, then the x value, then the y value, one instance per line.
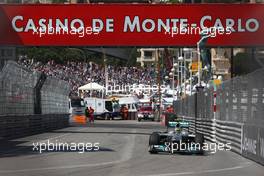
pixel 176 140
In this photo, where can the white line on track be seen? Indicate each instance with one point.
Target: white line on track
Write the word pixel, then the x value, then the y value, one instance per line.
pixel 243 165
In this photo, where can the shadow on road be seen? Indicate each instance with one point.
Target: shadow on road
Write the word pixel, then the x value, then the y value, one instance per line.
pixel 13 148
pixel 102 132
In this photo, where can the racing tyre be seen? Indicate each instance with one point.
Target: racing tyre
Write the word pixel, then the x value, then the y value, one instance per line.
pixel 154 139
pixel 139 119
pixel 152 150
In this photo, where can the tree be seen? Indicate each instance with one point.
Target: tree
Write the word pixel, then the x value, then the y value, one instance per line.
pixel 244 63
pixel 59 1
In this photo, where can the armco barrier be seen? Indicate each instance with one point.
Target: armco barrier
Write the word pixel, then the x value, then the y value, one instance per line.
pixel 233 113
pixel 253 142
pixel 31 102
pixel 18 126
pixel 218 131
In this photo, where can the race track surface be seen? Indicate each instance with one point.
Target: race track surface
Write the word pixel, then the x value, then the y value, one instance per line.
pixel 123 151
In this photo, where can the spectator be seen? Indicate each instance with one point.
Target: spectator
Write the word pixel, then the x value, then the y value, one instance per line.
pixel 80 73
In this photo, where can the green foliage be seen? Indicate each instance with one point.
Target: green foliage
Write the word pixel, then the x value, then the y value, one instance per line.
pixel 74 54
pixel 225 1
pixel 174 1
pixel 244 63
pixel 58 54
pixel 59 1
pixel 64 54
pixel 132 59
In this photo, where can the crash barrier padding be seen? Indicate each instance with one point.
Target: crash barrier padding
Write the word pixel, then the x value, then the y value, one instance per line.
pixel 238 113
pixel 253 141
pixel 18 126
pixel 30 102
pixel 218 131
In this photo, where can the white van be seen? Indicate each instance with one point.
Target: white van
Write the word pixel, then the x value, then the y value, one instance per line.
pixel 103 108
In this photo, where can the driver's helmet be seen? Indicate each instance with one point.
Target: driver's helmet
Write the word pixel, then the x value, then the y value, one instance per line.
pixel 178 128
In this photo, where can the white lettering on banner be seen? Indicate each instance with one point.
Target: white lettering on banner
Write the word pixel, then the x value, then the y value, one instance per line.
pixel 98 25
pixel 79 23
pixel 48 25
pixel 261 145
pixel 136 24
pixel 250 145
pixel 246 25
pixel 30 26
pixel 150 25
pixel 15 19
pixel 130 25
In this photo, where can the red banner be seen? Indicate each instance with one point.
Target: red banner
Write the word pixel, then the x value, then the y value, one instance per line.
pixel 132 25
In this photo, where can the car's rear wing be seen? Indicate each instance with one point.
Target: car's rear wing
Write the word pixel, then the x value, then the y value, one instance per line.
pixel 182 124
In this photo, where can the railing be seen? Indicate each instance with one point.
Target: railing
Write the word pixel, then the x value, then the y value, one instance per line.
pixel 30 102
pixel 232 113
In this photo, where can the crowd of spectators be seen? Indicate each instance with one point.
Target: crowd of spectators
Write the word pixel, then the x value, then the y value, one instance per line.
pixel 81 73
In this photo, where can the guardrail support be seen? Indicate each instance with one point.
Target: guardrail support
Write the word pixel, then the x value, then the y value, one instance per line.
pixel 198 88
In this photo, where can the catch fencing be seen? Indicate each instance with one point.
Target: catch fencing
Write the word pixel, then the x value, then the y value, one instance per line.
pixel 30 102
pixel 17 90
pixel 54 97
pixel 230 113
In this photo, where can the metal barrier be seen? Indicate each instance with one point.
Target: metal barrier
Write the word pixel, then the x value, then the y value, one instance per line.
pixel 23 125
pixel 237 117
pixel 54 96
pixel 16 89
pixel 30 102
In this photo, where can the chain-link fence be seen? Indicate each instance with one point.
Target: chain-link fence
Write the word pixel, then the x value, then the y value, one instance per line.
pixel 54 96
pixel 30 102
pixel 17 89
pixel 18 92
pixel 240 99
pixel 231 113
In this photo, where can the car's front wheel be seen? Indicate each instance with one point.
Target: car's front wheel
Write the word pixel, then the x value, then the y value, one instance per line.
pixel 152 150
pixel 154 139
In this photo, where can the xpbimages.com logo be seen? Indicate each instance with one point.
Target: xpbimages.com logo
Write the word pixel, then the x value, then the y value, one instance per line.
pixel 64 146
pixel 192 146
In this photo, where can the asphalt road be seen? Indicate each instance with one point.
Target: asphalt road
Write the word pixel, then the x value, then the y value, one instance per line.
pixel 123 151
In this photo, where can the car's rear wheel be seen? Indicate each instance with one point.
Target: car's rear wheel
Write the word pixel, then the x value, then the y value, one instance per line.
pixel 139 119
